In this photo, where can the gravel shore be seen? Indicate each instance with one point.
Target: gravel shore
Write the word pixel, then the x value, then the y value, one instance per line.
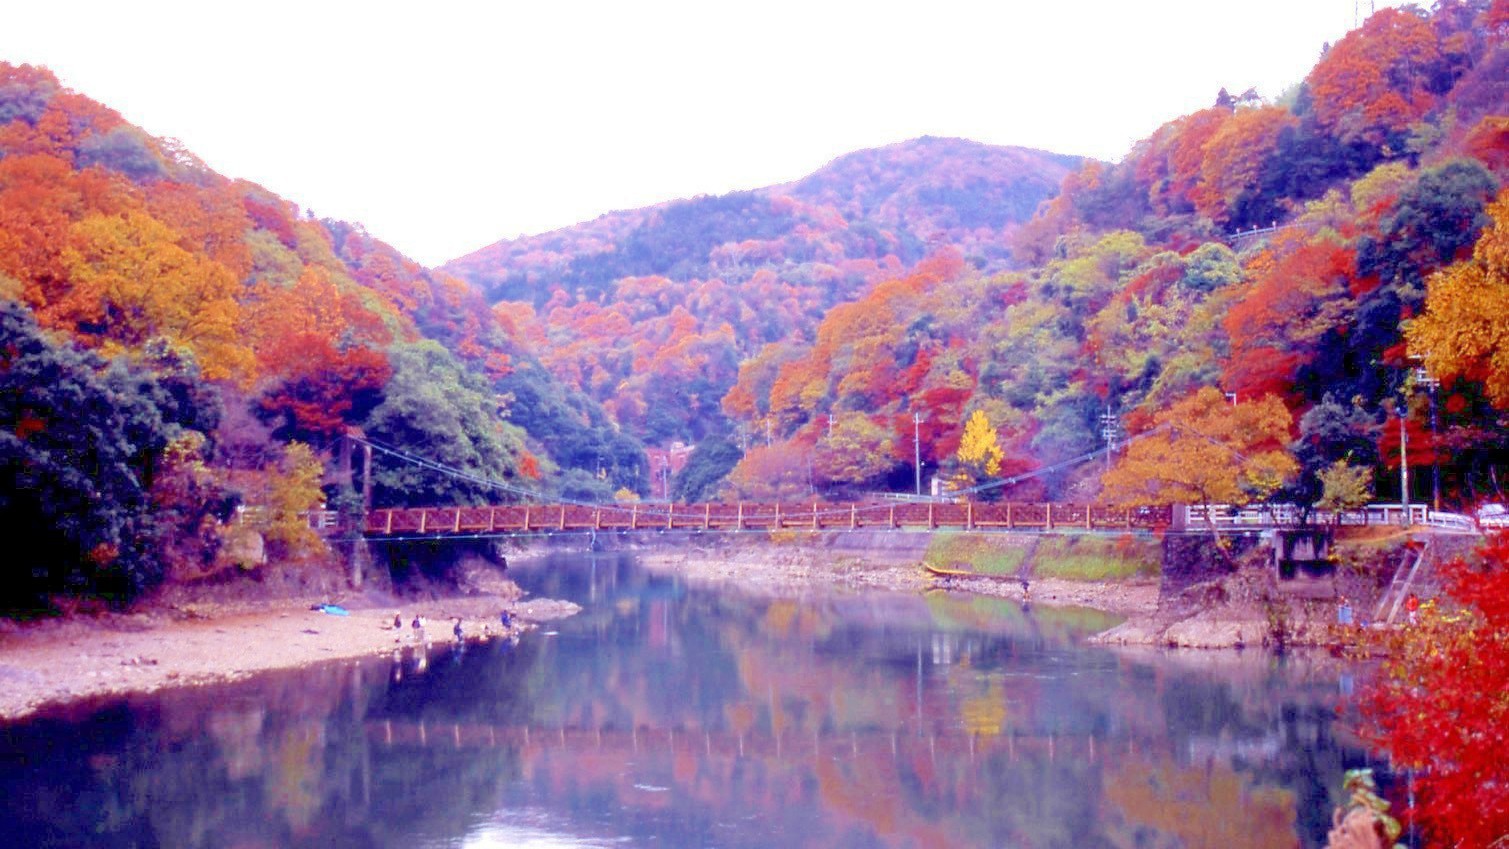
pixel 57 662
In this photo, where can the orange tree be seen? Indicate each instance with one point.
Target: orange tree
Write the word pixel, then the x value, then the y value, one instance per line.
pixel 1206 450
pixel 1440 705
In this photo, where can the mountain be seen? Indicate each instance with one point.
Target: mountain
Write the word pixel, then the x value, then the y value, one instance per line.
pixel 651 311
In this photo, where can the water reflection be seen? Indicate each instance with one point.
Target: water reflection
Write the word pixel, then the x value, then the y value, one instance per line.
pixel 667 716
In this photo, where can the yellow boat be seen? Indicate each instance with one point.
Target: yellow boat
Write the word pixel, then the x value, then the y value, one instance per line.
pixel 954 571
pixel 943 572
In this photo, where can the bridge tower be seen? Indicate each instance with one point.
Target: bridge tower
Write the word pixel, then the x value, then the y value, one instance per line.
pixel 360 555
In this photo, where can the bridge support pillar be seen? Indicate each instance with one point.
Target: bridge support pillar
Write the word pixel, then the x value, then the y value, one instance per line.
pixel 359 560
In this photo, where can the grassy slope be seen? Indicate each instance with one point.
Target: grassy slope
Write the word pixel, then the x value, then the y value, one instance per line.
pixel 1075 558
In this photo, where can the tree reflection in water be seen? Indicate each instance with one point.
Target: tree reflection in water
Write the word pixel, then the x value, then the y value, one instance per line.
pixel 663 715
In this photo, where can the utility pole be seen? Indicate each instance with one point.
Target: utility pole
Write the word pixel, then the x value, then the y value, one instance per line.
pixel 1424 378
pixel 917 448
pixel 1403 459
pixel 1108 430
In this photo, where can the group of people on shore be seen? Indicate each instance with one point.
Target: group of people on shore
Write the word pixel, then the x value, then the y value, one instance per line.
pixel 1347 616
pixel 458 629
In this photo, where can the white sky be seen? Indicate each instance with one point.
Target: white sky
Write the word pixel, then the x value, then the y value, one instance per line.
pixel 445 126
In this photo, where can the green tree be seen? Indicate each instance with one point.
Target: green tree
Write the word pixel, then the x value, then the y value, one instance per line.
pixel 80 443
pixel 709 463
pixel 1332 432
pixel 436 410
pixel 1344 486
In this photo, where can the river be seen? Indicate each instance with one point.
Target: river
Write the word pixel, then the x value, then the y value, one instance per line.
pixel 671 715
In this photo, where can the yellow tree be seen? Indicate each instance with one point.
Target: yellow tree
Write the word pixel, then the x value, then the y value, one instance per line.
pixel 1206 450
pixel 293 489
pixel 979 454
pixel 1464 331
pixel 132 281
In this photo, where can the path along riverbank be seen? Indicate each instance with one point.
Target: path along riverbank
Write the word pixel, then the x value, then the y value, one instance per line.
pixel 82 658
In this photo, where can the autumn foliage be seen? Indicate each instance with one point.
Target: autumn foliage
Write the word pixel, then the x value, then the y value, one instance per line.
pixel 1465 329
pixel 1207 450
pixel 265 324
pixel 1439 709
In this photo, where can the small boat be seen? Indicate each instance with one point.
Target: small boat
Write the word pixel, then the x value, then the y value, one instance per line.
pixel 962 570
pixel 951 571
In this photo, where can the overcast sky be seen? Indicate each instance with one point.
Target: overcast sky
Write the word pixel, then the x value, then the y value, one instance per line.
pixel 445 126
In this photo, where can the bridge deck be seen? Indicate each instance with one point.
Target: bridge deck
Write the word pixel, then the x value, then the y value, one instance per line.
pixel 530 518
pixel 818 515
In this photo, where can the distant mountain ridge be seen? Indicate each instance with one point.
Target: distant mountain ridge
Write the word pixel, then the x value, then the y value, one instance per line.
pixel 619 303
pixel 942 189
pixel 896 199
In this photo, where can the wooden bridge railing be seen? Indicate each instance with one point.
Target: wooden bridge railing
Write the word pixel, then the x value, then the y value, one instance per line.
pixel 756 516
pixel 820 515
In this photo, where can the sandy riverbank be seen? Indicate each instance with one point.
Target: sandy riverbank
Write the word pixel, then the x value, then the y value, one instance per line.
pixel 61 661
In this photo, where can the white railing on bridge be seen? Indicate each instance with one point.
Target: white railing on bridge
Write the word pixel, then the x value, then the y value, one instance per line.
pixel 320 520
pixel 1260 516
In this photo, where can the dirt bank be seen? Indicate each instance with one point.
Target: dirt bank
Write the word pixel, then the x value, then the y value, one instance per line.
pixel 786 569
pixel 197 643
pixel 1244 609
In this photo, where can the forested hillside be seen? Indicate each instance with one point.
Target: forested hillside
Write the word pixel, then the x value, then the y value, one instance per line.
pixel 651 311
pixel 177 345
pixel 1146 283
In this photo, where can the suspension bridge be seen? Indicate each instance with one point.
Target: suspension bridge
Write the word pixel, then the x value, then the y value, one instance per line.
pixel 529 512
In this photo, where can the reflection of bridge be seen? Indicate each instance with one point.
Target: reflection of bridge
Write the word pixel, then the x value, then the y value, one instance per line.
pixel 792 745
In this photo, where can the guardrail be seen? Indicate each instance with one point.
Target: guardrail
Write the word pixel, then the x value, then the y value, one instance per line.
pixel 1228 517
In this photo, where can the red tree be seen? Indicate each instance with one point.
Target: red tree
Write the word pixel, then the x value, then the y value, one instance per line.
pixel 1439 706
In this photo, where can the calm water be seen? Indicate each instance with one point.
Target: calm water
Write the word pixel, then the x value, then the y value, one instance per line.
pixel 666 715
